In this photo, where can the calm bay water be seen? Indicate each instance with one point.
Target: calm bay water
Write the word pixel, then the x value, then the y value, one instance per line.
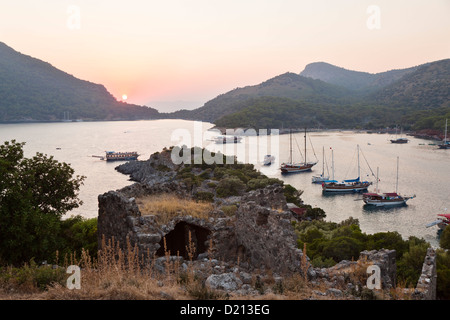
pixel 424 170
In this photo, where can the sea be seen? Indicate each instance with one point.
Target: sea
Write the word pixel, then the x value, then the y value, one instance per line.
pixel 417 168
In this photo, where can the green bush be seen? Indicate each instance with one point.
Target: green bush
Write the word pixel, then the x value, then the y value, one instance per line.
pixel 230 186
pixel 443 274
pixel 77 234
pixel 204 196
pixel 444 240
pixel 409 266
pixel 31 276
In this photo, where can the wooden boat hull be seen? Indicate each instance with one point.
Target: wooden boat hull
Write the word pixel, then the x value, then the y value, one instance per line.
pixel 384 203
pixel 399 141
pixel 340 187
pixel 319 179
pixel 292 168
pixel 385 200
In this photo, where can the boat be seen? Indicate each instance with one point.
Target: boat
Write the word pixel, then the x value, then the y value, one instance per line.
pixel 442 221
pixel 399 140
pixel 227 139
pixel 268 159
pixel 385 199
pixel 291 167
pixel 445 144
pixel 321 178
pixel 350 185
pixel 121 156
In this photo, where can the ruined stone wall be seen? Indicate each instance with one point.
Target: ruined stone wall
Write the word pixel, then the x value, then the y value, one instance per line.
pixel 265 234
pixel 426 286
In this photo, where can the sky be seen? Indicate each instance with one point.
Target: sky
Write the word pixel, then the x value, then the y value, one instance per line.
pixel 181 53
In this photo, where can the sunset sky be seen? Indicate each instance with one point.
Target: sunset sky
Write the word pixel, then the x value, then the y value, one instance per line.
pixel 194 50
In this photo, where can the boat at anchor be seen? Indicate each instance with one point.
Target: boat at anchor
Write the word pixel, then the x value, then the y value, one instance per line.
pixel 119 156
pixel 350 185
pixel 291 166
pixel 386 199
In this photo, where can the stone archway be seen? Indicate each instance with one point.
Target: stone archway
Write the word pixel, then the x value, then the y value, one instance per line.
pixel 184 239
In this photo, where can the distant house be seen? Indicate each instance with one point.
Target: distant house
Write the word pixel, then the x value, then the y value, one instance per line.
pixel 297 212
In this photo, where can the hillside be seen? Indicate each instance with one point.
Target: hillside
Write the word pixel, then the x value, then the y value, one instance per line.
pixel 34 90
pixel 416 97
pixel 352 80
pixel 286 86
pixel 428 87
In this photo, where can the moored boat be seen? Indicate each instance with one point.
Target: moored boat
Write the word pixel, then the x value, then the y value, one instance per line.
pixel 350 185
pixel 291 167
pixel 121 156
pixel 399 140
pixel 268 159
pixel 386 199
pixel 321 178
pixel 227 139
pixel 442 221
pixel 445 144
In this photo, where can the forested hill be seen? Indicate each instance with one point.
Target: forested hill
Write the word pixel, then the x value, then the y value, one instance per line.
pixel 415 98
pixel 285 86
pixel 353 80
pixel 34 90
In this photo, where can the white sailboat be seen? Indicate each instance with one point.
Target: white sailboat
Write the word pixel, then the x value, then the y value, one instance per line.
pixel 321 178
pixel 351 185
pixel 445 144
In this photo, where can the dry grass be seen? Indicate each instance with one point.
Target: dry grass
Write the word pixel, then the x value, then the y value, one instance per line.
pixel 118 275
pixel 167 206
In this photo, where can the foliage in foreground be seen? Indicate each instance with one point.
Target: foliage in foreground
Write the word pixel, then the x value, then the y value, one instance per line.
pixel 329 243
pixel 35 193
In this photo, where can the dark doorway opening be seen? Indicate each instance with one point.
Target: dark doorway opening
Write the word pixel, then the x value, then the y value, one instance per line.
pixel 184 240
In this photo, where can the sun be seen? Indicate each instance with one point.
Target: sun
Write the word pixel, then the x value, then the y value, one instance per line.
pixel 124 97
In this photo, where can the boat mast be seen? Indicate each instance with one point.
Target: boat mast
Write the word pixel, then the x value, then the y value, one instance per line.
pixel 376 190
pixel 323 161
pixel 445 136
pixel 290 145
pixel 396 184
pixel 305 145
pixel 359 174
pixel 332 161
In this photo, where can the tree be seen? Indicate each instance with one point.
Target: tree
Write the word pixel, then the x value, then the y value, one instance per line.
pixel 34 194
pixel 444 241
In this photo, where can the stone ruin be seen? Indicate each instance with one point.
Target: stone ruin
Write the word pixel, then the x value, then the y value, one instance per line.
pixel 259 236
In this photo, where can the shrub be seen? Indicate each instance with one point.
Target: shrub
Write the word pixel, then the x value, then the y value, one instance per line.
pixel 204 196
pixel 230 186
pixel 443 274
pixel 444 241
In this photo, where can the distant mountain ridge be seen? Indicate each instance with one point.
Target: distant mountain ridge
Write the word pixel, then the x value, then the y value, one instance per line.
pixel 353 80
pixel 324 95
pixel 288 85
pixel 34 90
